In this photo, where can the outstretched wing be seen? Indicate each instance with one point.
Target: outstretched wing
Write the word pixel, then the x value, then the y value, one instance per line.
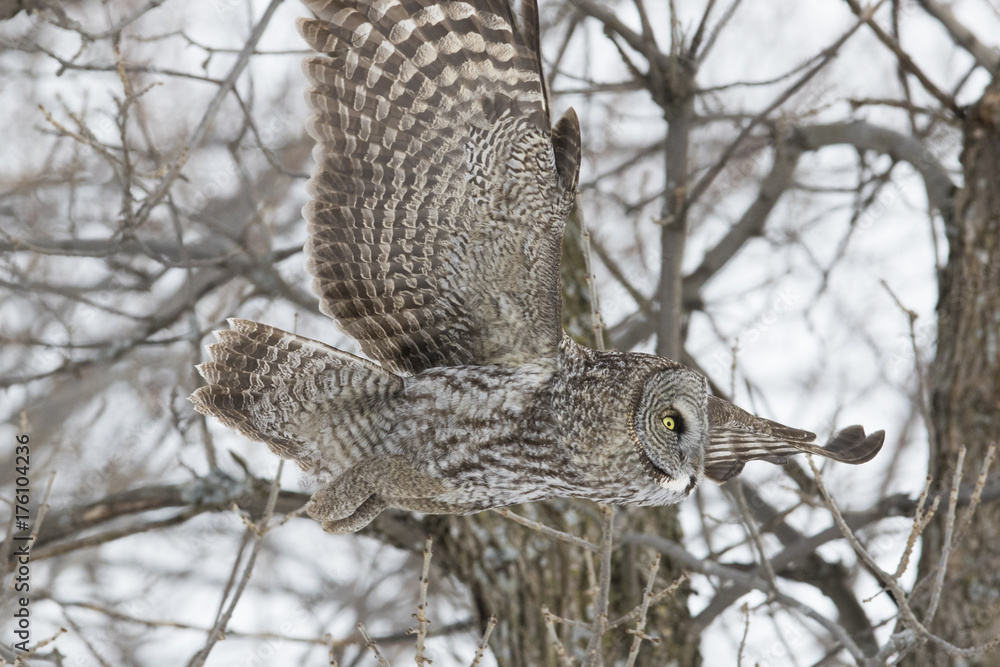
pixel 440 188
pixel 736 436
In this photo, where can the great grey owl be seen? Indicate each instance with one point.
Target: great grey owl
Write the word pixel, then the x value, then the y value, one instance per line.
pixel 439 198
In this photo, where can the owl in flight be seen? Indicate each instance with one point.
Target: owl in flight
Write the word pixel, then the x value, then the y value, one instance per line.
pixel 439 197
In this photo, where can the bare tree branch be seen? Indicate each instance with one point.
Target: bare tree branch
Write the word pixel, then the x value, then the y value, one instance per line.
pixel 985 56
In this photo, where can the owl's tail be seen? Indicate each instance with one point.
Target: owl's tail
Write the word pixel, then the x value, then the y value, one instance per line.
pixel 306 400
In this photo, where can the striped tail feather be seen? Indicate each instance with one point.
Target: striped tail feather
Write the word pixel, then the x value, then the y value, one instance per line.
pixel 737 437
pixel 307 401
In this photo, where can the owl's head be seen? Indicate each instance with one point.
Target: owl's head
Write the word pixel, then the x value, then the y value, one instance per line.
pixel 669 426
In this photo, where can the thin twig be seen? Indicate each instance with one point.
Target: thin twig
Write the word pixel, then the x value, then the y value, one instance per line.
pixel 717 29
pixel 230 633
pixel 561 653
pixel 640 625
pixel 985 56
pixel 699 33
pixel 85 638
pixel 332 660
pixel 33 651
pixel 949 532
pixel 421 615
pixel 746 630
pixel 900 597
pixel 977 493
pixel 600 624
pixel 573 623
pixel 481 650
pixel 53 550
pixel 924 403
pixel 755 537
pixel 921 518
pixel 122 23
pixel 618 274
pixel 867 15
pixel 748 580
pixel 828 54
pixel 655 599
pixel 372 646
pixel 209 116
pixel 324 640
pixel 259 530
pixel 546 530
pixel 43 509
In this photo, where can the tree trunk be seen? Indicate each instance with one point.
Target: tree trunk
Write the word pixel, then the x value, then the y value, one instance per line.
pixel 512 572
pixel 966 393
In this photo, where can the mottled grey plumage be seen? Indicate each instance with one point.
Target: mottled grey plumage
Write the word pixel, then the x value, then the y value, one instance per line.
pixel 438 202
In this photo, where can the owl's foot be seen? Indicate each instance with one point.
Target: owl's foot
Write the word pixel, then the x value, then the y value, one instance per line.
pixel 345 505
pixel 354 499
pixel 363 515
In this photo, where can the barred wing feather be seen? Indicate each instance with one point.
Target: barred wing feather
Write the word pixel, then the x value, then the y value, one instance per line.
pixel 440 189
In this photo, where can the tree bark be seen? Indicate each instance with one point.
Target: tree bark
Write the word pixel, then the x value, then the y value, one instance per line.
pixel 965 378
pixel 513 572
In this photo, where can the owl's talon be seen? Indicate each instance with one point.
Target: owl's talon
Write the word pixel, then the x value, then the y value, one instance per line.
pixel 340 500
pixel 362 516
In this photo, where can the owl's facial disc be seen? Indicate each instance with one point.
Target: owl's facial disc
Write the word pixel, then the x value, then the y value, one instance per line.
pixel 670 427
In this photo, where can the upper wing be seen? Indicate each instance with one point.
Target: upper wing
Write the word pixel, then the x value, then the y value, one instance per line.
pixel 440 188
pixel 736 436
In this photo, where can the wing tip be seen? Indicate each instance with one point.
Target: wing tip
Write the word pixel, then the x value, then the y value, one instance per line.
pixel 722 472
pixel 851 445
pixel 566 143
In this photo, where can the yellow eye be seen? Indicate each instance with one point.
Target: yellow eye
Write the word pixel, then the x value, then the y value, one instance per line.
pixel 669 422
